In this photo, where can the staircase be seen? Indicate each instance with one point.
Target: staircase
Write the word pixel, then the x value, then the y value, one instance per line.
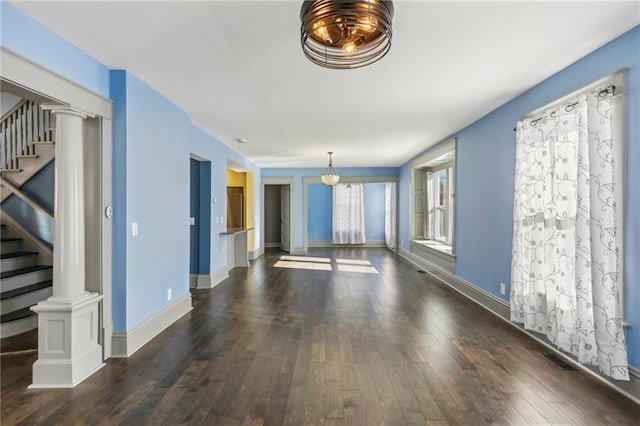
pixel 23 283
pixel 26 146
pixel 26 143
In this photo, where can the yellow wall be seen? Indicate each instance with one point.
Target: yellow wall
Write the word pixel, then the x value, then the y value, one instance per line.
pixel 235 179
pixel 248 215
pixel 244 180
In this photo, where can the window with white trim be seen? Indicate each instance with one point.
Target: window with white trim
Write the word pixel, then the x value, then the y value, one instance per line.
pixel 432 212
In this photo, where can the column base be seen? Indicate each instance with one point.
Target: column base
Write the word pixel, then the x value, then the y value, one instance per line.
pixel 68 348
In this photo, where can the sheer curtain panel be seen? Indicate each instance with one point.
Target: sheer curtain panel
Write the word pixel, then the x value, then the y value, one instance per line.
pixel 565 276
pixel 348 214
pixel 390 214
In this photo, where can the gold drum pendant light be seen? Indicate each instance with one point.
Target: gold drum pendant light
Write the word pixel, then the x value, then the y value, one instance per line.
pixel 345 34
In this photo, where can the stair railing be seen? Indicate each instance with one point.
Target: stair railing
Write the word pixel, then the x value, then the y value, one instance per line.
pixel 24 197
pixel 20 127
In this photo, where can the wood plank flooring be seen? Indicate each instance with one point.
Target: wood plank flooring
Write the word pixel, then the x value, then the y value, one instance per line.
pixel 311 347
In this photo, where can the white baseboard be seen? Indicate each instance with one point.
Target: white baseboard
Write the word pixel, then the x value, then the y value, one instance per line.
pixel 297 250
pixel 210 281
pixel 193 280
pixel 328 243
pixel 203 281
pixel 125 343
pixel 108 341
pixel 272 245
pixel 254 254
pixel 501 309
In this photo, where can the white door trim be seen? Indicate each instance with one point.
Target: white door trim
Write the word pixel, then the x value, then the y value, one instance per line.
pixel 279 181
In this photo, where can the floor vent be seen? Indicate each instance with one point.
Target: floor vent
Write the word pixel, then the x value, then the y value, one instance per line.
pixel 420 271
pixel 558 362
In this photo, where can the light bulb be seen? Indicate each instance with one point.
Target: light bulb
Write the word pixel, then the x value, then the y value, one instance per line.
pixel 320 29
pixel 368 24
pixel 349 48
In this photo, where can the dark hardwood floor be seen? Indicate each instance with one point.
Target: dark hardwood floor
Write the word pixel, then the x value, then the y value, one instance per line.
pixel 274 345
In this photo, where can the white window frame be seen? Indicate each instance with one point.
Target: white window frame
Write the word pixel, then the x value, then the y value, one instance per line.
pixel 432 226
pixel 421 227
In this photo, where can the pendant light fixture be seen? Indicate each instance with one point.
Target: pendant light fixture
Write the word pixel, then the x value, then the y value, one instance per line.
pixel 342 34
pixel 329 177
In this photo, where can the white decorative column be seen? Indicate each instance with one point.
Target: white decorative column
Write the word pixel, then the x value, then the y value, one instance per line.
pixel 68 348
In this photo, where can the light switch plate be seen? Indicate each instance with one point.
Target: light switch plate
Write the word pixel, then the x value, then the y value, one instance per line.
pixel 192 221
pixel 134 229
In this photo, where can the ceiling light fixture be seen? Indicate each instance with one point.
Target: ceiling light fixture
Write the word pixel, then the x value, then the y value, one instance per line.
pixel 329 177
pixel 342 34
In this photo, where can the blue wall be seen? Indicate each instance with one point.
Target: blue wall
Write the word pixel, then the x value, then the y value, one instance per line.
pixel 319 211
pixel 194 211
pixel 374 194
pixel 204 214
pixel 40 188
pixel 119 199
pixel 23 35
pixel 148 141
pixel 485 173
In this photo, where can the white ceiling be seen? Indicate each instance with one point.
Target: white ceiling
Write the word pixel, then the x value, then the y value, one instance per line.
pixel 238 69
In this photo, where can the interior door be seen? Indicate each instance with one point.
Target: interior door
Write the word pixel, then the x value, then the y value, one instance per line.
pixel 285 218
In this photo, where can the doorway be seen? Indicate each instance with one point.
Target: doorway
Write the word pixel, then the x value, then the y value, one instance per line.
pixel 277 216
pixel 29 81
pixel 200 219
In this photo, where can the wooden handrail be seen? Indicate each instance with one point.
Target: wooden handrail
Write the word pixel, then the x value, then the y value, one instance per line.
pixel 16 191
pixel 12 110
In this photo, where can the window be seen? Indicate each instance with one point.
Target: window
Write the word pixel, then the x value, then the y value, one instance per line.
pixel 433 177
pixel 567 232
pixel 348 214
pixel 438 219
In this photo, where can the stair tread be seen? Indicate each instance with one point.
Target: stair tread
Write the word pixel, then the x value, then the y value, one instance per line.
pixel 16 315
pixel 26 289
pixel 14 272
pixel 17 254
pixel 9 239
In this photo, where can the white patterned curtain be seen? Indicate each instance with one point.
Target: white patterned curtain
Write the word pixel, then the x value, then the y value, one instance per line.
pixel 348 214
pixel 390 214
pixel 565 277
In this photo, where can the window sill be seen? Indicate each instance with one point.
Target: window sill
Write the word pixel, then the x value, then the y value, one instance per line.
pixel 436 246
pixel 425 249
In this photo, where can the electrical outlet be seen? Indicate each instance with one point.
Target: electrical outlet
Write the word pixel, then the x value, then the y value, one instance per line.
pixel 169 294
pixel 503 289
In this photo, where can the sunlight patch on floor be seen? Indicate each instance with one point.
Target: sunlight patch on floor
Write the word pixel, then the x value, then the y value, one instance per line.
pixel 314 266
pixel 353 262
pixel 325 264
pixel 358 268
pixel 306 259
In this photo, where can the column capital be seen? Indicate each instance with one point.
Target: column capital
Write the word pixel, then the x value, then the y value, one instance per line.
pixel 65 109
